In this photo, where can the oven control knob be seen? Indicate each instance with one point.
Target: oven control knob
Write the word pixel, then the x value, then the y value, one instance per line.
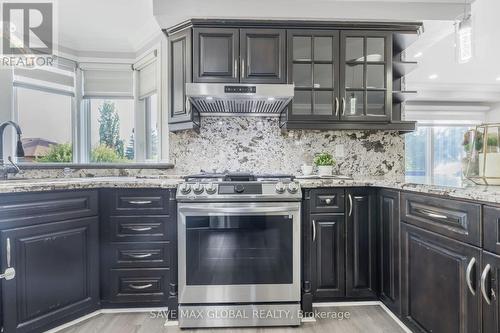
pixel 210 188
pixel 185 188
pixel 198 188
pixel 293 187
pixel 238 188
pixel 280 187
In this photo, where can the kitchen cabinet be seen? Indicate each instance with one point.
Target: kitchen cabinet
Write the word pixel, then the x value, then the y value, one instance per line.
pixel 440 282
pixel 490 286
pixel 181 115
pixel 328 256
pixel 227 55
pixel 388 245
pixel 139 254
pixel 216 55
pixel 491 227
pixel 361 243
pixel 339 244
pixel 366 72
pixel 57 274
pixel 313 67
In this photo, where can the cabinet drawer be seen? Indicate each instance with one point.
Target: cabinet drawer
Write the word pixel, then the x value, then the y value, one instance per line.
pixel 137 201
pixel 144 285
pixel 151 254
pixel 138 228
pixel 36 208
pixel 456 219
pixel 492 229
pixel 327 201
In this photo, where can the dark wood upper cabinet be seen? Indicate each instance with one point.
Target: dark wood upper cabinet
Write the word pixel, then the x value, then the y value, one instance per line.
pixel 436 294
pixel 215 55
pixel 366 76
pixel 313 67
pixel 328 256
pixel 180 113
pixel 491 282
pixel 262 56
pixel 388 244
pixel 57 274
pixel 361 248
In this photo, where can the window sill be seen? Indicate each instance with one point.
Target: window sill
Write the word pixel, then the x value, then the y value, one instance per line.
pixel 38 166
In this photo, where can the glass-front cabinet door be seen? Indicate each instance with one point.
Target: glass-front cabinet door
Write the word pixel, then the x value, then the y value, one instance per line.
pixel 366 68
pixel 313 66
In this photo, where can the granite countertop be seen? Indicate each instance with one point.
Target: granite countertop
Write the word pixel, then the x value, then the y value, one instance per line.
pixel 490 194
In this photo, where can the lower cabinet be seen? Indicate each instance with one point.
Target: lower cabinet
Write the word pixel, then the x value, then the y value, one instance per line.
pixel 440 282
pixel 328 256
pixel 361 243
pixel 340 247
pixel 57 274
pixel 388 244
pixel 490 287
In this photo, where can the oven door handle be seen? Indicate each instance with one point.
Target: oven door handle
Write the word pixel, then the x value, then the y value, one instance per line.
pixel 242 210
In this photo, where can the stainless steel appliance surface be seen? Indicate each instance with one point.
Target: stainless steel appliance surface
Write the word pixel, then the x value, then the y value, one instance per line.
pixel 239 250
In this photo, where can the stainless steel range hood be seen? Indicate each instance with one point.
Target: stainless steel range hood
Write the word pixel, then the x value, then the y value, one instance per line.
pixel 231 99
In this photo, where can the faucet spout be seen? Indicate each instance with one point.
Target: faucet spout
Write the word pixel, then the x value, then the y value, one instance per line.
pixel 19 150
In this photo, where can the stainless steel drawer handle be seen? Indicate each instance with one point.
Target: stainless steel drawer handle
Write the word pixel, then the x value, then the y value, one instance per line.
pixel 138 228
pixel 10 272
pixel 468 272
pixel 139 256
pixel 314 230
pixel 350 204
pixel 436 216
pixel 140 202
pixel 140 287
pixel 336 106
pixel 486 271
pixel 328 201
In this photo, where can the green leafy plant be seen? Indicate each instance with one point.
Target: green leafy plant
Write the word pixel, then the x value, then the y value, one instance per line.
pixel 61 153
pixel 109 127
pixel 105 154
pixel 324 159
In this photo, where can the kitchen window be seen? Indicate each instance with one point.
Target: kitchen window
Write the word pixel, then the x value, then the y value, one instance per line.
pixel 115 119
pixel 435 153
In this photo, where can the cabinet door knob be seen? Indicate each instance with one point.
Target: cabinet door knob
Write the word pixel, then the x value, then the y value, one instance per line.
pixel 328 201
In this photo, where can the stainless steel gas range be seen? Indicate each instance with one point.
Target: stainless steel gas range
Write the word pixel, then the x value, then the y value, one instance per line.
pixel 239 250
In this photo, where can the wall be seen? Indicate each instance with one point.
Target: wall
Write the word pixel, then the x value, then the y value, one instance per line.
pixel 257 145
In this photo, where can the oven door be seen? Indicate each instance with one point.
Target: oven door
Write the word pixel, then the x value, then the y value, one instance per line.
pixel 239 252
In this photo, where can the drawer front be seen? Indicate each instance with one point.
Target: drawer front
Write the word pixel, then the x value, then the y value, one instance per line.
pixel 139 228
pixel 492 229
pixel 144 285
pixel 151 254
pixel 327 200
pixel 138 201
pixel 43 207
pixel 456 219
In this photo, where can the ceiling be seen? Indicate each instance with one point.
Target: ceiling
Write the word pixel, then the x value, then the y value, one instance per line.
pixel 473 81
pixel 100 26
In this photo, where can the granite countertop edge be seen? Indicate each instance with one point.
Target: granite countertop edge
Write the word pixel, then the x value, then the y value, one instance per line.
pixel 486 194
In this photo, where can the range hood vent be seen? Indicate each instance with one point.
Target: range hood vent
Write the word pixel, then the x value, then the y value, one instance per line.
pixel 215 98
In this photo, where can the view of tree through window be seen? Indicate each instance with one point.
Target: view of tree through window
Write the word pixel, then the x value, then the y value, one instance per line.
pixel 436 153
pixel 112 130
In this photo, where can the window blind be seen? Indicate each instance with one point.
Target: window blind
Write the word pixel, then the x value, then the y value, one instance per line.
pixel 107 81
pixel 59 78
pixel 147 75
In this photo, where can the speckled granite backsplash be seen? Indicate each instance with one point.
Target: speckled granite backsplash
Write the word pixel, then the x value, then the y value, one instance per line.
pixel 257 144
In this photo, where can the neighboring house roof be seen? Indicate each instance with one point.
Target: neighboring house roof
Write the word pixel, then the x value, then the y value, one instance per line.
pixel 36 147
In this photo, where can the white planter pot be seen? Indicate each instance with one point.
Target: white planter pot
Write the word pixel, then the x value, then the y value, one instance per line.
pixel 325 170
pixel 492 169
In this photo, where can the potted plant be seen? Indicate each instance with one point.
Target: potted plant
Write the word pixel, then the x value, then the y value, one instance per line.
pixel 325 163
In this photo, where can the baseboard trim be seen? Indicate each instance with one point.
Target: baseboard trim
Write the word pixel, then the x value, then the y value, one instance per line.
pixel 365 303
pixel 103 311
